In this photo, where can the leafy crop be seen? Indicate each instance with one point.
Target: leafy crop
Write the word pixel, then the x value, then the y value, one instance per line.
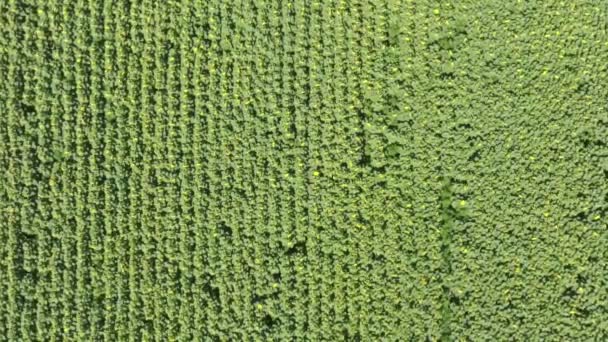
pixel 358 170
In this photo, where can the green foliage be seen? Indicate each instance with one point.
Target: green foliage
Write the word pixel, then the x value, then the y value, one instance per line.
pixel 256 170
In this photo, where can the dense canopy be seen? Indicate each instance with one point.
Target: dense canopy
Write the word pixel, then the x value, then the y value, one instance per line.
pixel 277 170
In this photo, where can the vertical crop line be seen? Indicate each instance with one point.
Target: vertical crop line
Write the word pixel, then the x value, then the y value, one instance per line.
pixel 446 228
pixel 450 214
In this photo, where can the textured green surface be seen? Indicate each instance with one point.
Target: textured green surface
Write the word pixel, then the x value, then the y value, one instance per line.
pixel 357 170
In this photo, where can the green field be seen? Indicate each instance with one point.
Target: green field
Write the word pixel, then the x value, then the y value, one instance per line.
pixel 303 170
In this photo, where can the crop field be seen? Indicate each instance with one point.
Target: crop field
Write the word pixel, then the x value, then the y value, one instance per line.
pixel 303 170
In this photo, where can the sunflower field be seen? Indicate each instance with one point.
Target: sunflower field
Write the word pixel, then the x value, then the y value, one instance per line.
pixel 303 170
